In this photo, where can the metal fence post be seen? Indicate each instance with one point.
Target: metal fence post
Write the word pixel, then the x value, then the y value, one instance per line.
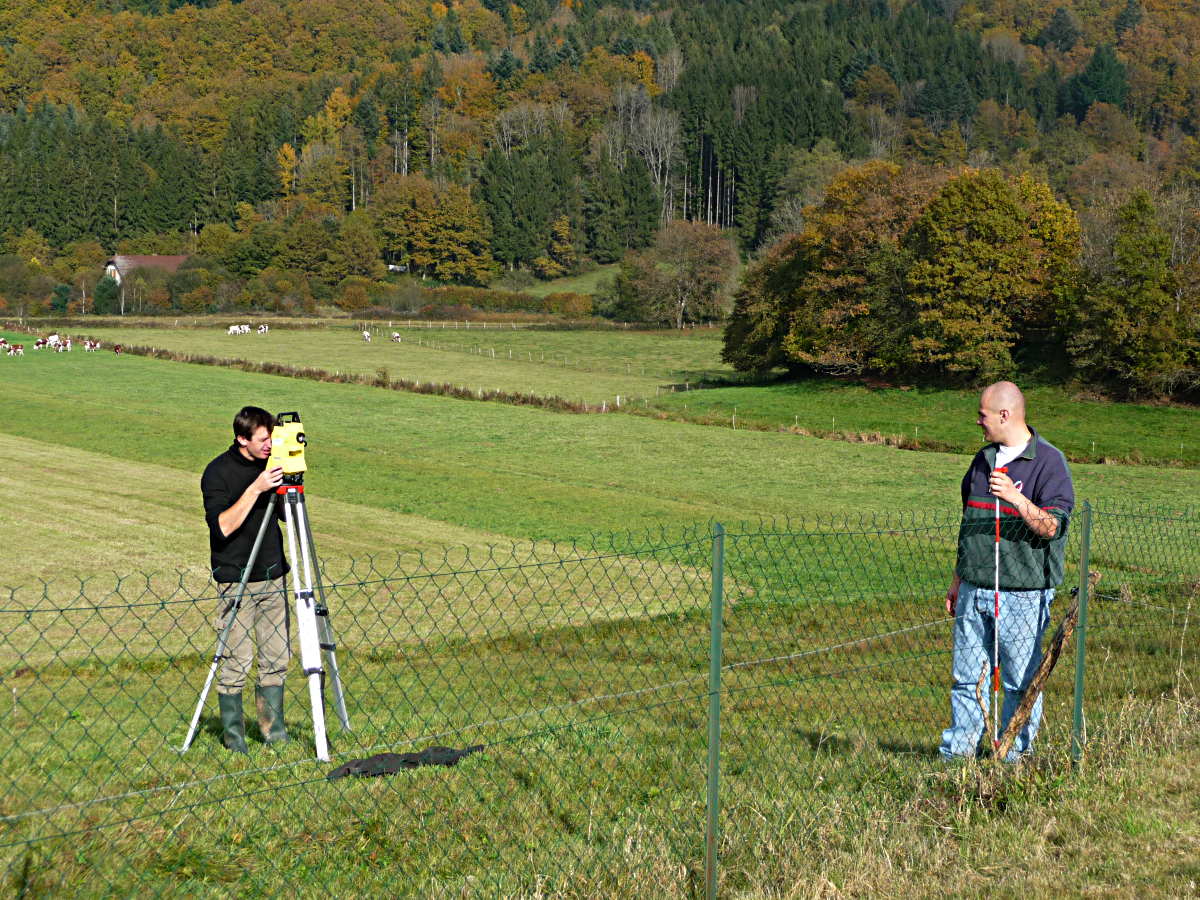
pixel 1081 633
pixel 714 709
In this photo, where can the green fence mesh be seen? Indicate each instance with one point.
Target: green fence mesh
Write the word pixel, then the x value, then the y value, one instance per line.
pixel 581 670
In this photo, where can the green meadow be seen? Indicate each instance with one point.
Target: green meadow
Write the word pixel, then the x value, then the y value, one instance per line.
pixel 495 470
pixel 1086 429
pixel 587 283
pixel 581 366
pixel 655 373
pixel 538 583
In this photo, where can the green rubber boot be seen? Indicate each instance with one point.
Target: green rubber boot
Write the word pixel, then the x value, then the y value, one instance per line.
pixel 233 726
pixel 269 703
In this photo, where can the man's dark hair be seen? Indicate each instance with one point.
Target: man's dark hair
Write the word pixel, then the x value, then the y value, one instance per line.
pixel 249 419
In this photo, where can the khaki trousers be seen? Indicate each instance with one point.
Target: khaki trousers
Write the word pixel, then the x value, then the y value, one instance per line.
pixel 264 610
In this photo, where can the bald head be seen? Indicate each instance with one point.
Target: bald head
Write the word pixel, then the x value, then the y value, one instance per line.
pixel 1005 395
pixel 1002 414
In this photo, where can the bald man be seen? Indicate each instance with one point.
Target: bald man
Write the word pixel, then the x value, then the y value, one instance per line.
pixel 1036 498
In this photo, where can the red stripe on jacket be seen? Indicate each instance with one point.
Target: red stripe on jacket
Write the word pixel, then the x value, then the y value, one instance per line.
pixel 980 504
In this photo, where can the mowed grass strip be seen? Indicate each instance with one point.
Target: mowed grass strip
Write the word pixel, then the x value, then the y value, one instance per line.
pixel 668 353
pixel 70 512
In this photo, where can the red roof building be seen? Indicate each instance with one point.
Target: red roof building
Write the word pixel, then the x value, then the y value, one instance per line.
pixel 119 267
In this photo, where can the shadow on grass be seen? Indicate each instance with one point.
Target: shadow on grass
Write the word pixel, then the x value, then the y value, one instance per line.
pixel 821 742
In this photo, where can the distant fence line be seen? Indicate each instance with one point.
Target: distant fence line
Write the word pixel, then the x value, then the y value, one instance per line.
pixel 639 705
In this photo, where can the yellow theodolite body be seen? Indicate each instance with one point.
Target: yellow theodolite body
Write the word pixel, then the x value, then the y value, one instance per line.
pixel 287 445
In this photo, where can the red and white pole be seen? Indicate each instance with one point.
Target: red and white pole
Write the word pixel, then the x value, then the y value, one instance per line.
pixel 996 634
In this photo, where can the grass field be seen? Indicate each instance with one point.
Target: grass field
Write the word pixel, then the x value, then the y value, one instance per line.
pixel 591 780
pixel 587 283
pixel 580 662
pixel 1086 430
pixel 583 675
pixel 492 469
pixel 649 370
pixel 574 365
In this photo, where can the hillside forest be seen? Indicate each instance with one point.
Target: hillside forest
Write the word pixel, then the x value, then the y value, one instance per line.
pixel 946 189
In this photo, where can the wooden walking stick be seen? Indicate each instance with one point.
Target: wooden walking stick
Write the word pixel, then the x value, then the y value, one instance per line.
pixel 1065 628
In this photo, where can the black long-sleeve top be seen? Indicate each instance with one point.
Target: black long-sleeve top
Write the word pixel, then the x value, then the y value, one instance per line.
pixel 225 479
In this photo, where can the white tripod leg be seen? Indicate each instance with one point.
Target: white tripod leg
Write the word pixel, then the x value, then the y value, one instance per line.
pixel 306 619
pixel 231 613
pixel 325 630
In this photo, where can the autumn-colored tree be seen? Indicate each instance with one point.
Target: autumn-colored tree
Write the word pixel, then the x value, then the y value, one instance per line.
pixel 683 278
pixel 560 256
pixel 352 294
pixel 1001 131
pixel 215 241
pixel 356 250
pixel 81 265
pixel 323 175
pixel 850 314
pixel 280 290
pixel 402 204
pixel 33 248
pixel 450 240
pixel 287 161
pixel 831 298
pixel 325 126
pixel 876 88
pixel 991 257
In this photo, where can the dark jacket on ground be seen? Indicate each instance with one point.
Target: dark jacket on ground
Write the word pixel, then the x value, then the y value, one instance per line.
pixel 225 479
pixel 1027 562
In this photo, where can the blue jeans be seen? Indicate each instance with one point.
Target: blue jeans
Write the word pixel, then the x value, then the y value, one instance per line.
pixel 1023 619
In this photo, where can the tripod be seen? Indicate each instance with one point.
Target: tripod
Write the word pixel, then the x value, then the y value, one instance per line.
pixel 312 615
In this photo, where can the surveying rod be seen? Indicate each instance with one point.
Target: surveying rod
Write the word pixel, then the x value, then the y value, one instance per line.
pixel 231 610
pixel 996 634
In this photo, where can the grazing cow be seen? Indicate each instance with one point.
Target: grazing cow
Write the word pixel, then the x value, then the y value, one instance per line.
pixel 233 329
pixel 367 336
pixel 3 343
pixel 16 349
pixel 40 343
pixel 90 346
pixel 263 329
pixel 117 348
pixel 245 329
pixel 396 337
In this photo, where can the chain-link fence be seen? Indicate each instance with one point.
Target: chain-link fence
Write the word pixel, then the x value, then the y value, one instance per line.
pixel 590 676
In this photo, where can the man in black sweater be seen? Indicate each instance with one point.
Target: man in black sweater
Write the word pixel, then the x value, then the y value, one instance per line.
pixel 237 487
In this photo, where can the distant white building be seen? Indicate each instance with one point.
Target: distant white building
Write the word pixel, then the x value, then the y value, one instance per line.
pixel 119 267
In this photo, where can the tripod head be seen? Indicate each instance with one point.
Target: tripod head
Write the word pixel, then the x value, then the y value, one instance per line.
pixel 287 447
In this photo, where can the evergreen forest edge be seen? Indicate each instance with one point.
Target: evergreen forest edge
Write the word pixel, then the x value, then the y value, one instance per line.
pixel 1024 187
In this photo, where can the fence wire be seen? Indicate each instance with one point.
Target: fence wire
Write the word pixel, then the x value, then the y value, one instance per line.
pixel 580 671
